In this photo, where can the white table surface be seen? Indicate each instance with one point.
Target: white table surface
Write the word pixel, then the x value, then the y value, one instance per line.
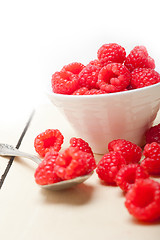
pixel 88 211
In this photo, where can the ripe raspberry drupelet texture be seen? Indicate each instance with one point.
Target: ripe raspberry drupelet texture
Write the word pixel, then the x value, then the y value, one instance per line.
pixel 151 162
pixel 109 166
pixel 80 91
pixel 130 151
pixel 143 200
pixel 94 92
pixel 111 53
pixel 95 62
pixel 50 139
pixel 64 82
pixel 74 163
pixel 80 144
pixel 139 58
pixel 45 173
pixel 129 174
pixel 114 77
pixel 143 77
pixel 153 134
pixel 74 67
pixel 88 77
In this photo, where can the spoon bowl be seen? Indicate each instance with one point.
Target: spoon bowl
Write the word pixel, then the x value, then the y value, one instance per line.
pixel 9 150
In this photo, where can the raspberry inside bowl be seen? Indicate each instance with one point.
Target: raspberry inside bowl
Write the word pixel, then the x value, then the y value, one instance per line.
pixel 112 97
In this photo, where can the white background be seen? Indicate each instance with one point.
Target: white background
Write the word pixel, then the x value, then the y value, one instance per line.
pixel 38 37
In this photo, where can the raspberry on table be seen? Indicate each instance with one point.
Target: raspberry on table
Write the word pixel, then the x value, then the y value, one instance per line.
pixel 130 151
pixel 111 53
pixel 151 162
pixel 80 144
pixel 88 77
pixel 80 91
pixel 153 134
pixel 143 200
pixel 50 139
pixel 108 167
pixel 143 77
pixel 74 67
pixel 129 174
pixel 74 163
pixel 45 173
pixel 139 58
pixel 64 82
pixel 114 77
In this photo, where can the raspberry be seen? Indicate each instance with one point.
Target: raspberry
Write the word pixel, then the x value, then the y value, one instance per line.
pixel 109 166
pixel 80 91
pixel 45 173
pixel 74 67
pixel 88 77
pixel 139 58
pixel 64 82
pixel 153 134
pixel 151 162
pixel 113 78
pixel 130 151
pixel 143 200
pixel 74 163
pixel 50 139
pixel 152 150
pixel 143 77
pixel 94 91
pixel 129 174
pixel 80 144
pixel 95 62
pixel 111 52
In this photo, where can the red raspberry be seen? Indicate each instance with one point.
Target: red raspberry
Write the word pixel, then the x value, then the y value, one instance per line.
pixel 80 91
pixel 88 77
pixel 95 62
pixel 114 77
pixel 50 139
pixel 130 151
pixel 45 173
pixel 109 166
pixel 74 163
pixel 143 200
pixel 153 134
pixel 74 67
pixel 143 77
pixel 80 144
pixel 152 150
pixel 151 162
pixel 139 58
pixel 94 92
pixel 64 82
pixel 129 174
pixel 111 52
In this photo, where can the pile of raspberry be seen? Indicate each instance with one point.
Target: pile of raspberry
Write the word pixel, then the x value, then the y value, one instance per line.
pixel 111 72
pixel 122 166
pixel 77 160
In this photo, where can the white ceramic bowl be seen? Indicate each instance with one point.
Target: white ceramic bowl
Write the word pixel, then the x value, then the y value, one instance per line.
pixel 98 119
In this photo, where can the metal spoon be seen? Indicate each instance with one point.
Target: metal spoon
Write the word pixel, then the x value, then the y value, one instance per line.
pixel 9 150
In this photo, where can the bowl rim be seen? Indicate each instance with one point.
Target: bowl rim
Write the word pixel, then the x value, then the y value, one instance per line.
pixel 138 90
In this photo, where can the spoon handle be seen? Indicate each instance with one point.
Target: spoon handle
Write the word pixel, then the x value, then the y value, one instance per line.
pixel 9 150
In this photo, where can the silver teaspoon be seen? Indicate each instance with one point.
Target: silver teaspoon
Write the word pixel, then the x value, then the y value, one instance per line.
pixel 9 150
